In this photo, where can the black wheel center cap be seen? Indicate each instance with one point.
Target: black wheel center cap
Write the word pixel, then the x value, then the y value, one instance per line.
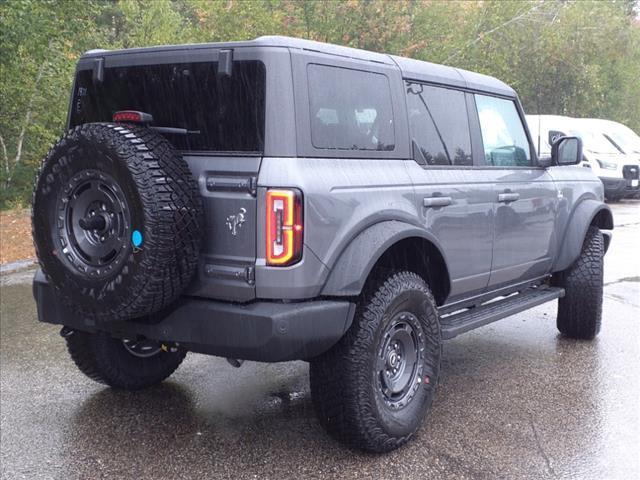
pixel 393 359
pixel 96 222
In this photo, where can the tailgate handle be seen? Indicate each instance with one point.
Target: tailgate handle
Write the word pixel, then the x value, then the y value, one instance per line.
pixel 432 202
pixel 247 184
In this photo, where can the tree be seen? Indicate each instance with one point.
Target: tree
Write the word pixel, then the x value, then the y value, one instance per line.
pixel 40 43
pixel 579 58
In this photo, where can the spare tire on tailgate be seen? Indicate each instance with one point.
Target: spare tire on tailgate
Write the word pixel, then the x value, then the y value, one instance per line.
pixel 116 221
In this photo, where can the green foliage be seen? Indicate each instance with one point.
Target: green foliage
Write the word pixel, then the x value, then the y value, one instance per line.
pixel 568 57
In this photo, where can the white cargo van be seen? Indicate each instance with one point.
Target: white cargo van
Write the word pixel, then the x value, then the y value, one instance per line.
pixel 618 171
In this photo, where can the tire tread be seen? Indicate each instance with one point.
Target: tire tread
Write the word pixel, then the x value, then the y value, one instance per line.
pixel 580 310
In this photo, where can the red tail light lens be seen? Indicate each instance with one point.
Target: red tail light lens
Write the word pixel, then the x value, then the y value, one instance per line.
pixel 284 227
pixel 132 116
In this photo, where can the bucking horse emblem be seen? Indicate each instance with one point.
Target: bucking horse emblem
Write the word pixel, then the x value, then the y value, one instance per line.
pixel 234 222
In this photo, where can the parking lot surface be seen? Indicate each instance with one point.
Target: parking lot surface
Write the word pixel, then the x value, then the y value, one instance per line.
pixel 516 400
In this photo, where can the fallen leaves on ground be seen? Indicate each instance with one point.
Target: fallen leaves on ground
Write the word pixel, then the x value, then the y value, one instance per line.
pixel 15 236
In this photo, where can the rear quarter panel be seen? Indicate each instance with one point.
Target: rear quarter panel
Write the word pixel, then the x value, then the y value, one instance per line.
pixel 342 197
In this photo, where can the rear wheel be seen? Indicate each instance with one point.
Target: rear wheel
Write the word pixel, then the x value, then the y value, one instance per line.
pixel 580 310
pixel 123 364
pixel 373 388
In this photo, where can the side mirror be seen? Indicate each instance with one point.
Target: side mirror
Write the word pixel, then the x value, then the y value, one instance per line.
pixel 566 151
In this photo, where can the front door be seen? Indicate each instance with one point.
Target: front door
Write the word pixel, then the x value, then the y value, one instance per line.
pixel 525 196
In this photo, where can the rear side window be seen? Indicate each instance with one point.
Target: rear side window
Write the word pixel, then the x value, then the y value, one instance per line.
pixel 439 125
pixel 503 135
pixel 350 109
pixel 220 113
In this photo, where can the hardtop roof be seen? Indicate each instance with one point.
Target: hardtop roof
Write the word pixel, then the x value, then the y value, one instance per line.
pixel 410 68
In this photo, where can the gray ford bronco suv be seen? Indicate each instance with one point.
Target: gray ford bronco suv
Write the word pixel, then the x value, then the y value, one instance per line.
pixel 282 199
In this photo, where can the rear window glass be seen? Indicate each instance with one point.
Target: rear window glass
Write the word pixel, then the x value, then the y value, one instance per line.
pixel 350 109
pixel 220 113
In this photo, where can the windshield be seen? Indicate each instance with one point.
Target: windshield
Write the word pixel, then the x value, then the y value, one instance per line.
pixel 595 142
pixel 221 113
pixel 625 141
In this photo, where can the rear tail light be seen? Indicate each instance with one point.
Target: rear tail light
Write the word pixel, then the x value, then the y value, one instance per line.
pixel 132 116
pixel 284 227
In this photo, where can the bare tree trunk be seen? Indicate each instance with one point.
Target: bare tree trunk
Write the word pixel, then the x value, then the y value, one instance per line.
pixel 5 155
pixel 27 120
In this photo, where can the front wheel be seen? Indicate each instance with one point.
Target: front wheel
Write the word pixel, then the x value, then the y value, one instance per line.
pixel 373 388
pixel 123 364
pixel 580 310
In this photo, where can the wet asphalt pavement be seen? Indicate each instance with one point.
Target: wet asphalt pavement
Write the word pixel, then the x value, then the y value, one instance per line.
pixel 516 400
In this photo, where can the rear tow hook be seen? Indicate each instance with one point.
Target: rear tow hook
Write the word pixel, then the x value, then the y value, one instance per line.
pixel 66 332
pixel 234 362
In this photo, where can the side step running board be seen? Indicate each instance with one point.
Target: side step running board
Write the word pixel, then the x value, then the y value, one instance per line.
pixel 456 323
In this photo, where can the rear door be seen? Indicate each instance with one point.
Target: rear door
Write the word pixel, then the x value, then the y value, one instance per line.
pixel 525 196
pixel 453 199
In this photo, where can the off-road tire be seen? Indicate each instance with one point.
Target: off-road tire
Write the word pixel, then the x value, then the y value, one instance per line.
pixel 580 310
pixel 106 360
pixel 153 194
pixel 345 381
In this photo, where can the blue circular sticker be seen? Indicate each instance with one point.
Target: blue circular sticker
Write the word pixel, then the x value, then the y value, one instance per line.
pixel 136 238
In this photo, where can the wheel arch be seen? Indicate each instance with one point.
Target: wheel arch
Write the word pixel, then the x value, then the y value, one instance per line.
pixel 587 213
pixel 389 244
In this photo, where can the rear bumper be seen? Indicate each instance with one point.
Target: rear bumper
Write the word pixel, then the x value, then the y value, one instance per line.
pixel 261 331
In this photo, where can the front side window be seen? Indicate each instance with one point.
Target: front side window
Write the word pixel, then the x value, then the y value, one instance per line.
pixel 439 125
pixel 350 109
pixel 503 135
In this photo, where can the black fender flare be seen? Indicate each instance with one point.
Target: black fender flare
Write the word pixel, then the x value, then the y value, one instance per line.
pixel 352 268
pixel 586 213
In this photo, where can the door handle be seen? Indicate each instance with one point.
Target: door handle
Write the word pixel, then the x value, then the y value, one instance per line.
pixel 431 202
pixel 508 197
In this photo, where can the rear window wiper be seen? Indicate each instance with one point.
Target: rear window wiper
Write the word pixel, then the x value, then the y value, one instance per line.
pixel 175 131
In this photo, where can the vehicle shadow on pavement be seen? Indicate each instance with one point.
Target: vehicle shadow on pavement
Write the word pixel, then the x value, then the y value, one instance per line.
pixel 128 434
